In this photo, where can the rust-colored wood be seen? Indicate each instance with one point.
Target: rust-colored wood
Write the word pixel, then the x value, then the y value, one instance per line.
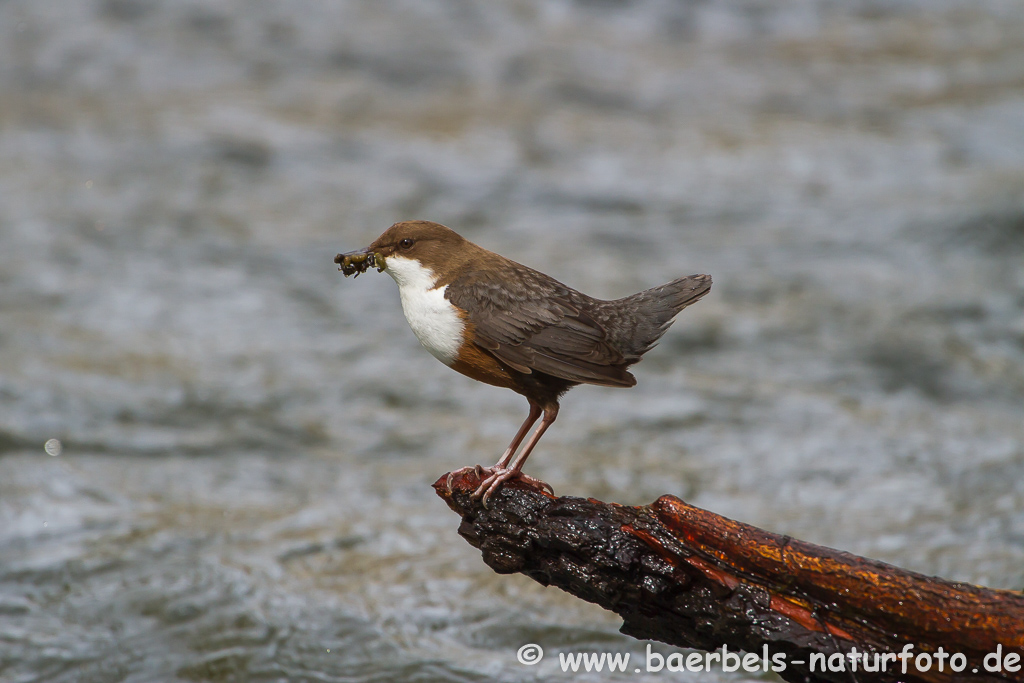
pixel 691 578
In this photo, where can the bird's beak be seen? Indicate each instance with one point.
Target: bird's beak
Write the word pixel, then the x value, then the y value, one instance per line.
pixel 358 261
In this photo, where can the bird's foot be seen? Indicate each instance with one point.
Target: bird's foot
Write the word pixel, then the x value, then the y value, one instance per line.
pixel 481 473
pixel 496 476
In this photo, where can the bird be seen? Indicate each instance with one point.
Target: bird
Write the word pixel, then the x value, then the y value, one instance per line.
pixel 508 325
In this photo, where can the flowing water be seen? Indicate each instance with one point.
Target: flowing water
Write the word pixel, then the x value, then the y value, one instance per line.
pixel 248 439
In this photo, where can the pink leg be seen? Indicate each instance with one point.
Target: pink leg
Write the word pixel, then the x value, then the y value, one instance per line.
pixel 484 472
pixel 501 474
pixel 520 435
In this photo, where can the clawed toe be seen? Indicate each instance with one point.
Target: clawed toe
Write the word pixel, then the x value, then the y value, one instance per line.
pixel 492 483
pixel 498 476
pixel 546 486
pixel 464 470
pixel 484 472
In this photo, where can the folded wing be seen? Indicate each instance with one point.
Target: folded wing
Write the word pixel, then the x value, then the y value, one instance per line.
pixel 533 323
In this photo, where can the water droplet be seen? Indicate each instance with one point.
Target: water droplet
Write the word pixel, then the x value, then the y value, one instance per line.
pixel 88 184
pixel 53 447
pixel 44 523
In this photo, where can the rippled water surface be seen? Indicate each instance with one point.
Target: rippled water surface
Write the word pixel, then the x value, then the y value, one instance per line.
pixel 249 439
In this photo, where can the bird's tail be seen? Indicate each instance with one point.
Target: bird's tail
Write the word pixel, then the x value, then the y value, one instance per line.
pixel 655 309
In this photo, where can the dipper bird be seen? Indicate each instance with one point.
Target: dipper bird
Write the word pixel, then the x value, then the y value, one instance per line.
pixel 502 323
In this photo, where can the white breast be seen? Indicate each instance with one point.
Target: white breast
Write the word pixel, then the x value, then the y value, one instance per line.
pixel 433 319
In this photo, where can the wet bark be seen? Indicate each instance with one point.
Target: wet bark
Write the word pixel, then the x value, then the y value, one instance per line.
pixel 690 578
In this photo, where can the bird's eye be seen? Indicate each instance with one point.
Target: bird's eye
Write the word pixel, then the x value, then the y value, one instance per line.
pixel 406 243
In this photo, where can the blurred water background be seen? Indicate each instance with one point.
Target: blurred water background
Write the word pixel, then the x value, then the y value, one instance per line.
pixel 249 439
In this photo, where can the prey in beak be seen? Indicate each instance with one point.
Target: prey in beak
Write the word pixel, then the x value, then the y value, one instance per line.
pixel 359 261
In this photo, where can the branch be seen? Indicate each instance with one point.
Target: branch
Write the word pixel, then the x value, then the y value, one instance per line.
pixel 688 577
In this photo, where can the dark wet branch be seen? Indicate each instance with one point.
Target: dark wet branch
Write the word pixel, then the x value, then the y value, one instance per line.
pixel 690 578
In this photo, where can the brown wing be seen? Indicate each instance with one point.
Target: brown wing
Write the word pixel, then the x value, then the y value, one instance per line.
pixel 533 323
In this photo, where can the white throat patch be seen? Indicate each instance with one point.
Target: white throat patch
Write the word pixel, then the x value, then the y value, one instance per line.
pixel 433 319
